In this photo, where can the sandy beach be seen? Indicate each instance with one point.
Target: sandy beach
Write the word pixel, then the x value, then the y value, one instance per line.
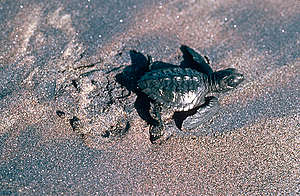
pixel 60 60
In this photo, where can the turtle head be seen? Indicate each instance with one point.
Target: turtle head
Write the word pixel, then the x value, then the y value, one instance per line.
pixel 227 79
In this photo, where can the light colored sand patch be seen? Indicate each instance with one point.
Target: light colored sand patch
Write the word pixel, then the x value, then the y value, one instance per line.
pixel 70 56
pixel 29 28
pixel 286 9
pixel 29 32
pixel 73 49
pixel 7 120
pixel 63 22
pixel 26 23
pixel 28 82
pixel 22 113
pixel 25 113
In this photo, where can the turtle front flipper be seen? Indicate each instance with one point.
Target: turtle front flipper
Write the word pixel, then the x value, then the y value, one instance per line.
pixel 203 114
pixel 195 61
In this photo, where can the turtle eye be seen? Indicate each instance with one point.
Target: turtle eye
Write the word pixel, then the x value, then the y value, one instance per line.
pixel 235 80
pixel 231 82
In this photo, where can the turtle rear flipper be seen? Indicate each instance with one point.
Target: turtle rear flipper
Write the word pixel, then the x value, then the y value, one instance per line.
pixel 195 61
pixel 165 126
pixel 203 114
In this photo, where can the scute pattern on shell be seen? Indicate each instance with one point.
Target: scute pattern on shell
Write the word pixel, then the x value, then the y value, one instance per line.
pixel 177 88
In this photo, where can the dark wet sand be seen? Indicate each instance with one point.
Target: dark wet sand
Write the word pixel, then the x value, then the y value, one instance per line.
pixel 250 148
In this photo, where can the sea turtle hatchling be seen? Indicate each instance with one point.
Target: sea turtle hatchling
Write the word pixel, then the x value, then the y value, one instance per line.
pixel 182 89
